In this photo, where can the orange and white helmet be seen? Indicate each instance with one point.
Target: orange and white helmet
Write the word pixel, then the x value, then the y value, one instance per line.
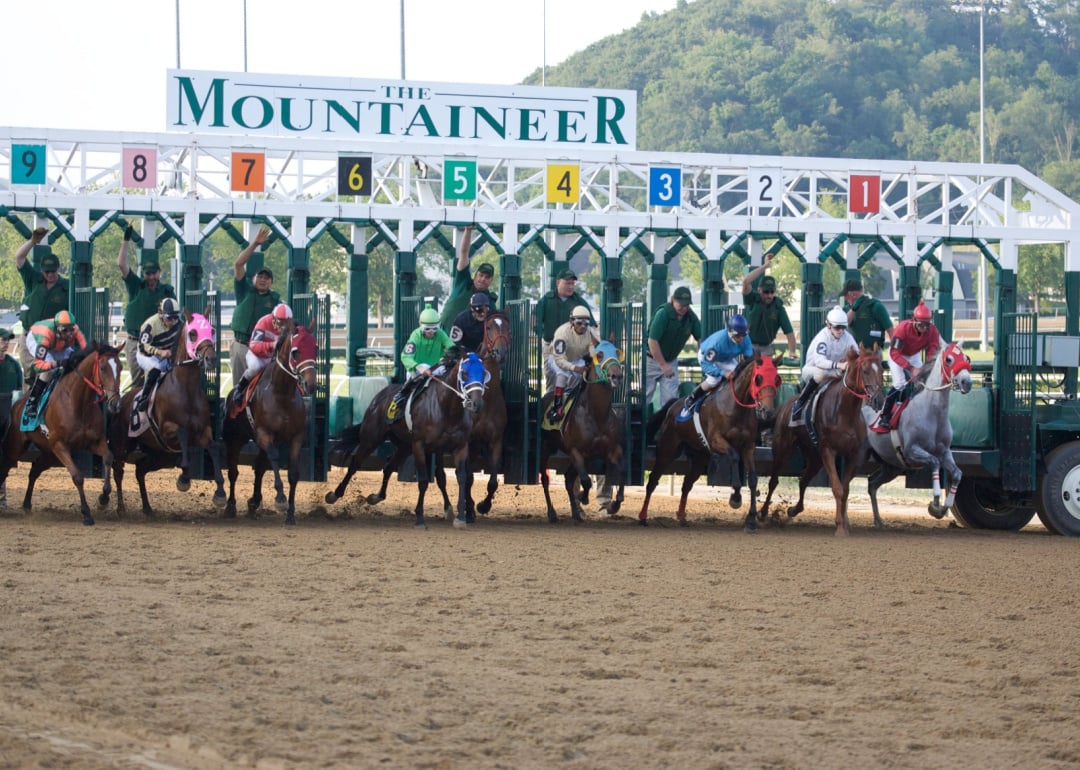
pixel 282 312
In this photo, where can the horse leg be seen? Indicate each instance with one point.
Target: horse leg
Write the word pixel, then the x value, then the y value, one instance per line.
pixel 954 474
pixel 261 466
pixel 232 449
pixel 748 465
pixel 391 466
pixel 41 463
pixel 216 451
pixel 294 476
pixel 698 465
pixel 921 456
pixel 274 457
pixel 440 481
pixel 64 456
pixel 142 467
pixel 545 480
pixel 829 457
pixel 883 474
pixel 420 458
pixel 570 480
pixel 183 482
pixel 616 468
pixel 813 465
pixel 493 463
pixel 119 461
pixel 463 471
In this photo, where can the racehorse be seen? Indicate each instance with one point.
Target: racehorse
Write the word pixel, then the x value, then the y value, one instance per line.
pixel 923 433
pixel 726 423
pixel 839 424
pixel 178 419
pixel 590 430
pixel 489 427
pixel 70 420
pixel 274 412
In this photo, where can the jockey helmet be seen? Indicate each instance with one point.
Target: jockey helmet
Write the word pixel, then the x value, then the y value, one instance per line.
pixel 429 319
pixel 282 312
pixel 579 312
pixel 170 309
pixel 922 313
pixel 480 299
pixel 64 320
pixel 737 324
pixel 837 318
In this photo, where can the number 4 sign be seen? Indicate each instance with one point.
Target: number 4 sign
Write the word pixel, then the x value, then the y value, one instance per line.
pixel 864 194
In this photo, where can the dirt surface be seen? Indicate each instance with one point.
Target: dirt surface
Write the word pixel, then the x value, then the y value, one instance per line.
pixel 354 640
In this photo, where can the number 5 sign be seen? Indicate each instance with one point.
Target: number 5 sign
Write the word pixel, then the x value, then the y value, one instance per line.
pixel 459 180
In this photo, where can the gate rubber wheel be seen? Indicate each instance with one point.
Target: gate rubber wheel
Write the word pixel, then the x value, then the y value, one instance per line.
pixel 1060 491
pixel 981 503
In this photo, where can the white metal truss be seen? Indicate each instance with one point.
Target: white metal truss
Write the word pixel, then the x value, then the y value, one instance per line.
pixel 721 199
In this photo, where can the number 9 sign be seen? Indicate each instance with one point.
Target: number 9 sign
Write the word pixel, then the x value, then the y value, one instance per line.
pixel 28 164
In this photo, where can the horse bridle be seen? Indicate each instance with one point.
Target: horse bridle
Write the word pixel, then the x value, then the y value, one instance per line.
pixel 948 374
pixel 489 344
pixel 603 371
pixel 97 385
pixel 755 390
pixel 865 395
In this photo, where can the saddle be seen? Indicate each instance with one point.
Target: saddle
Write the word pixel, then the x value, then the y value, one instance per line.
pixel 695 407
pixel 569 402
pixel 235 409
pixel 30 424
pixel 395 412
pixel 895 411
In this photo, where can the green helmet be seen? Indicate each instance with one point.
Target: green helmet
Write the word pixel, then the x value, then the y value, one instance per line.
pixel 429 316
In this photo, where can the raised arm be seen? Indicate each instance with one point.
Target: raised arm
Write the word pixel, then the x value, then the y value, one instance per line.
pixel 122 258
pixel 753 275
pixel 242 259
pixel 21 253
pixel 463 248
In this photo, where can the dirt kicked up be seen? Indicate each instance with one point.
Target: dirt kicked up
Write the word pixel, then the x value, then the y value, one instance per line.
pixel 354 640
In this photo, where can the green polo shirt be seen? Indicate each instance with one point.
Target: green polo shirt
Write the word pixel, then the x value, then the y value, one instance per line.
pixel 672 332
pixel 250 307
pixel 870 321
pixel 43 303
pixel 552 311
pixel 765 320
pixel 461 290
pixel 10 375
pixel 142 301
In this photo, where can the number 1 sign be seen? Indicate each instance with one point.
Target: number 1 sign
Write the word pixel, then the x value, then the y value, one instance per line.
pixel 864 194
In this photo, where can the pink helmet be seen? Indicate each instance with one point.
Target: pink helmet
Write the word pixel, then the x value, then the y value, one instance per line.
pixel 282 312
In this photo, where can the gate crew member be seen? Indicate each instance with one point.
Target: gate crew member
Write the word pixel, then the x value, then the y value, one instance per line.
pixel 719 355
pixel 254 299
pixel 868 318
pixel 421 355
pixel 11 379
pixel 915 340
pixel 468 328
pixel 571 342
pixel 826 358
pixel 144 299
pixel 264 339
pixel 463 288
pixel 673 324
pixel 45 292
pixel 553 310
pixel 765 312
pixel 50 343
pixel 158 339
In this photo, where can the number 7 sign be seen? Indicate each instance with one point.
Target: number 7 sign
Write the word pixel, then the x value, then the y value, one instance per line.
pixel 248 172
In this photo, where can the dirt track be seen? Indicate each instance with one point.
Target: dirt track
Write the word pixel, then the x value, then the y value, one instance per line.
pixel 353 640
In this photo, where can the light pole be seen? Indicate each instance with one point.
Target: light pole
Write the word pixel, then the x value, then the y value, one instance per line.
pixel 402 39
pixel 984 279
pixel 543 72
pixel 245 35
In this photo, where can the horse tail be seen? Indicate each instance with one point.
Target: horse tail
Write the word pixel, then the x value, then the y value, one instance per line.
pixel 653 426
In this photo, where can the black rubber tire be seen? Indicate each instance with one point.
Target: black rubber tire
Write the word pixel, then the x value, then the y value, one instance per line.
pixel 1059 491
pixel 981 503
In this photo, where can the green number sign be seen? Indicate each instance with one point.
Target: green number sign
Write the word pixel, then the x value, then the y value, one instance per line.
pixel 459 180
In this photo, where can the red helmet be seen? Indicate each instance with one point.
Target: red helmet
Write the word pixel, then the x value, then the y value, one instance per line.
pixel 922 313
pixel 282 312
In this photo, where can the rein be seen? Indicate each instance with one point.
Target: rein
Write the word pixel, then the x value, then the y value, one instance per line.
pixel 96 384
pixel 602 371
pixel 865 395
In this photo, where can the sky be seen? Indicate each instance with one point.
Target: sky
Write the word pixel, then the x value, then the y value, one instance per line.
pixel 101 64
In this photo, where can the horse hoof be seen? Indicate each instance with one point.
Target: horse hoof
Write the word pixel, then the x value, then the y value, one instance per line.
pixel 88 521
pixel 374 499
pixel 102 500
pixel 253 505
pixel 553 518
pixel 449 515
pixel 183 483
pixel 148 512
pixel 460 523
pixel 331 497
pixel 750 526
pixel 735 501
pixel 683 522
pixel 282 504
pixel 230 511
pixel 643 522
pixel 483 507
pixel 219 500
pixel 614 508
pixel 290 520
pixel 937 511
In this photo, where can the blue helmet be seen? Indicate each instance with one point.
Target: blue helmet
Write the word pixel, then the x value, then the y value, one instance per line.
pixel 737 324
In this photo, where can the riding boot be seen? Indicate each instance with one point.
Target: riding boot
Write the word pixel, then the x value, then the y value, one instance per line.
pixel 143 399
pixel 886 410
pixel 239 388
pixel 803 399
pixel 556 413
pixel 32 398
pixel 688 402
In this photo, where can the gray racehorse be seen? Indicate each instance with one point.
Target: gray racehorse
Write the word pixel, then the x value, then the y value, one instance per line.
pixel 923 434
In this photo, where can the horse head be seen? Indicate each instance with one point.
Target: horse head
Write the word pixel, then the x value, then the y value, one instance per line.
pixel 472 380
pixel 864 375
pixel 764 385
pixel 607 361
pixel 303 354
pixel 99 366
pixel 956 367
pixel 497 338
pixel 199 340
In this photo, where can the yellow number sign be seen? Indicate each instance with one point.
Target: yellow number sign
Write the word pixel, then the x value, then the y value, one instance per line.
pixel 562 182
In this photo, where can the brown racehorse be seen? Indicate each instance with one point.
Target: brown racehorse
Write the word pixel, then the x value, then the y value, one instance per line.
pixel 71 420
pixel 841 432
pixel 489 427
pixel 726 423
pixel 274 413
pixel 591 430
pixel 179 419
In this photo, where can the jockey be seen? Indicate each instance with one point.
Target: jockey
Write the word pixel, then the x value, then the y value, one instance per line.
pixel 50 343
pixel 566 362
pixel 826 357
pixel 423 350
pixel 719 355
pixel 468 328
pixel 910 338
pixel 264 337
pixel 158 337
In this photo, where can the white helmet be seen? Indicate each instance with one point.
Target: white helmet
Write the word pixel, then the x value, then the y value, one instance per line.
pixel 837 317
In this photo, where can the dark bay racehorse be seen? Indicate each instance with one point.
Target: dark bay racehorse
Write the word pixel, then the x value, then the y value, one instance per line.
pixel 179 419
pixel 590 430
pixel 841 432
pixel 923 434
pixel 726 423
pixel 489 427
pixel 274 413
pixel 70 420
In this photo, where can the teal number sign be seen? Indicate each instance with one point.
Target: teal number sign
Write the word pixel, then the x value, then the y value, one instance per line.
pixel 459 180
pixel 28 164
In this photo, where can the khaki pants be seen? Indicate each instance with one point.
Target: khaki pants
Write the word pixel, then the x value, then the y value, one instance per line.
pixel 131 349
pixel 237 360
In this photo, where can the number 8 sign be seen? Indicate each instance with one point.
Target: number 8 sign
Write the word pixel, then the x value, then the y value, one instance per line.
pixel 140 167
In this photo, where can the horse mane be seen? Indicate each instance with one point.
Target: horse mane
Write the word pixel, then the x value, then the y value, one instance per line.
pixel 72 362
